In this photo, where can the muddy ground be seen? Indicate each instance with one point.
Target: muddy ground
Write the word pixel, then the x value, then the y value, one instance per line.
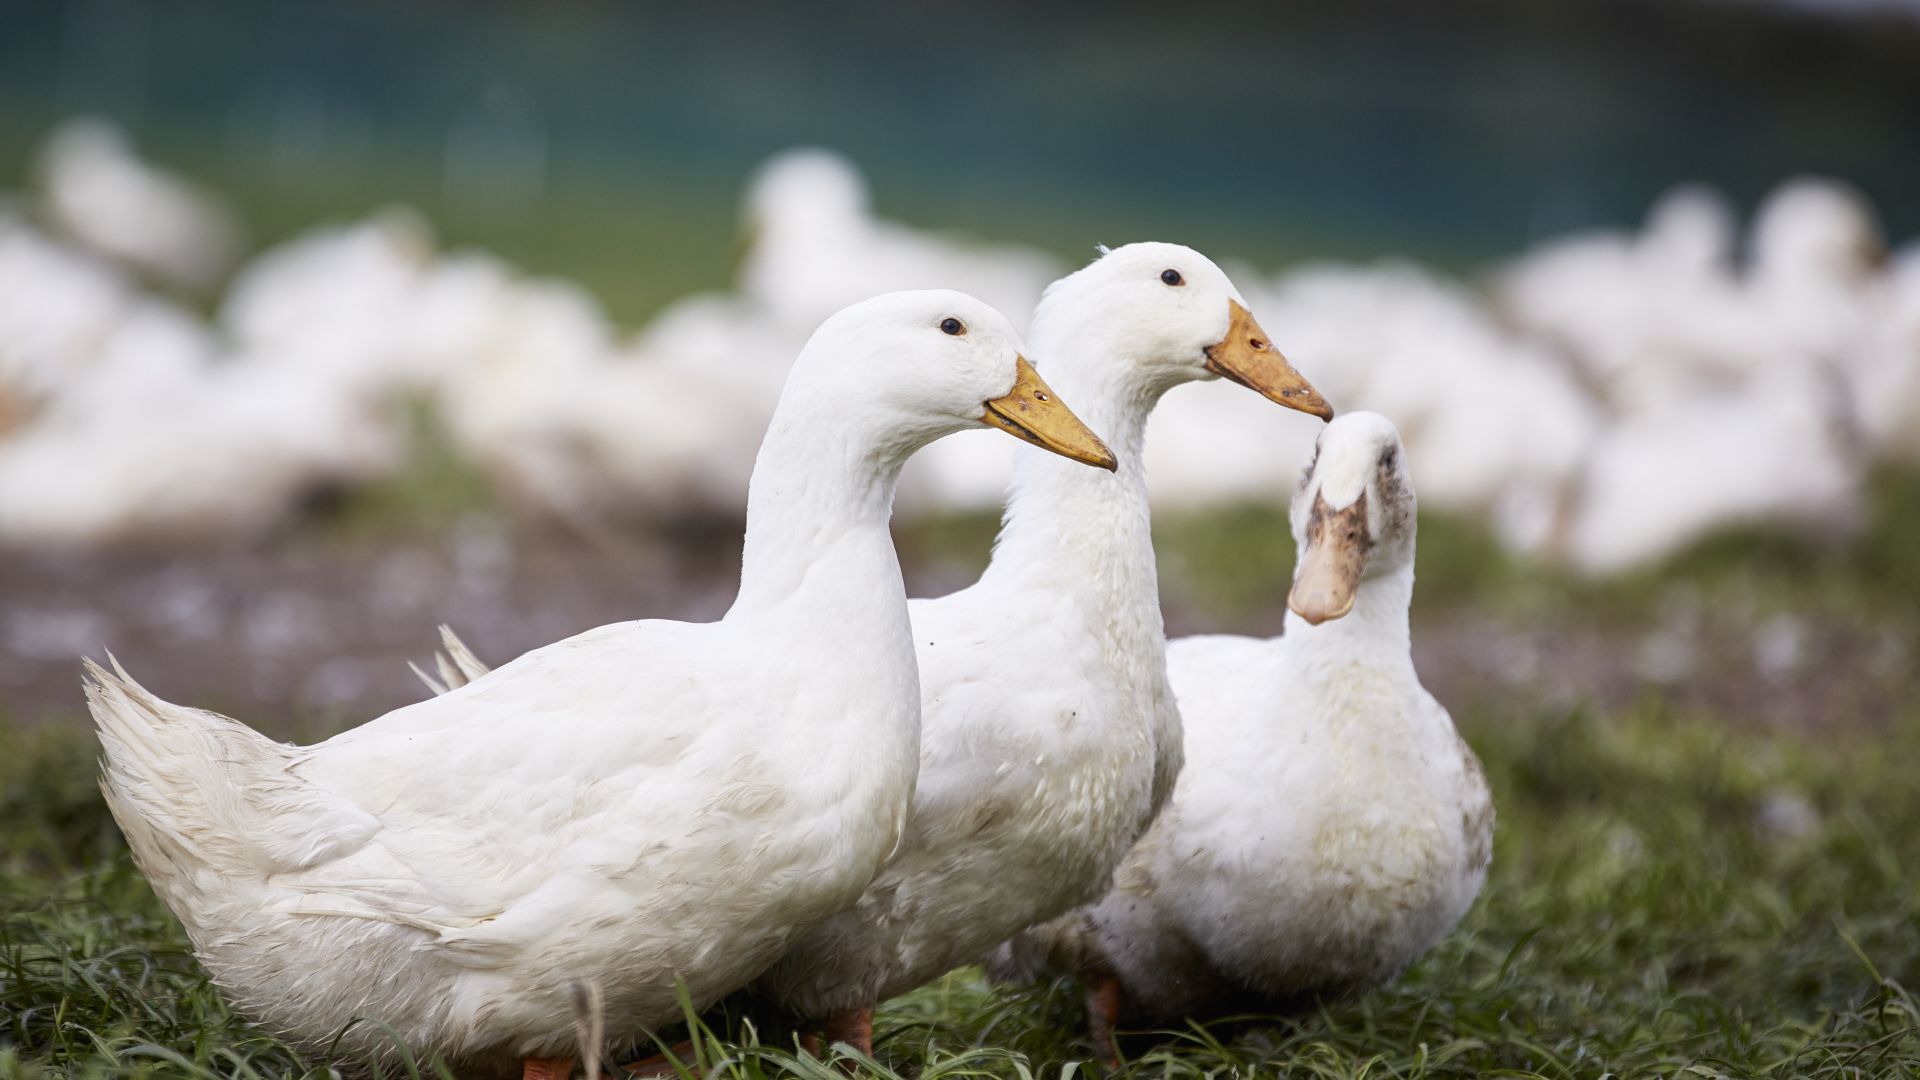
pixel 307 634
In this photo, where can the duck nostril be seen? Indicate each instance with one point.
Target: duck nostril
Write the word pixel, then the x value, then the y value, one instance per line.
pixel 1038 396
pixel 1257 345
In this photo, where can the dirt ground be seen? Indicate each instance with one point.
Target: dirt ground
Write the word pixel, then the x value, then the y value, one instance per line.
pixel 307 635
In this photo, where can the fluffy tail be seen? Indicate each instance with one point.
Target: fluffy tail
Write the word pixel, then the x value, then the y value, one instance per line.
pixel 202 797
pixel 456 663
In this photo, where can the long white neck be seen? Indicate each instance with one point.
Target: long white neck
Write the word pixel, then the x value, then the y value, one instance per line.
pixel 1374 634
pixel 1070 526
pixel 817 543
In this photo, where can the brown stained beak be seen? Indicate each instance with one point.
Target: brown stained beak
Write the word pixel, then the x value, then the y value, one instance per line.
pixel 1032 411
pixel 1328 577
pixel 1248 356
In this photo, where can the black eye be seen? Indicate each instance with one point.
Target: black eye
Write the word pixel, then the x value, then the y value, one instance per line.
pixel 952 326
pixel 1387 459
pixel 1172 277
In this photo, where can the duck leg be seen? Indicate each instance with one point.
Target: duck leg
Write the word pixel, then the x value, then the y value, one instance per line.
pixel 678 1055
pixel 853 1027
pixel 1105 996
pixel 546 1068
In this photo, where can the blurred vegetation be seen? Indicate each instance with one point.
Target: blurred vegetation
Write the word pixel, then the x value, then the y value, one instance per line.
pixel 1452 132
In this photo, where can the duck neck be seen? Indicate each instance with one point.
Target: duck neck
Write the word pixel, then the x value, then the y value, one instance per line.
pixel 1073 527
pixel 1375 633
pixel 817 542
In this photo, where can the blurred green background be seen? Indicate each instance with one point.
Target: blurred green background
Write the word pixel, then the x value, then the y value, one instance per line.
pixel 607 141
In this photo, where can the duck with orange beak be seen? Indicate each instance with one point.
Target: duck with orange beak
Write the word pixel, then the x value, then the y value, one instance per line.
pixel 1330 825
pixel 1049 736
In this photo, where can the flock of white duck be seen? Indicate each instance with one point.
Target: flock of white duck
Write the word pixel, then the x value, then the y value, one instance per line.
pixel 833 795
pixel 1651 386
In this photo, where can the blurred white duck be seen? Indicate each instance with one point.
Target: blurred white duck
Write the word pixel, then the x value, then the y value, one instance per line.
pixel 210 453
pixel 1049 737
pixel 58 308
pixel 153 348
pixel 1632 311
pixel 1817 253
pixel 712 365
pixel 98 190
pixel 340 296
pixel 684 797
pixel 1766 451
pixel 1330 825
pixel 814 245
pixel 572 427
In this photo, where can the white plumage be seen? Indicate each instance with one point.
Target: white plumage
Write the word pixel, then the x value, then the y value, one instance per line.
pixel 816 245
pixel 99 191
pixel 1330 825
pixel 1049 731
pixel 643 803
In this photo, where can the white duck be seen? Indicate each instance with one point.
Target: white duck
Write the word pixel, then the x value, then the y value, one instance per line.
pixel 341 298
pixel 815 245
pixel 1625 308
pixel 1049 735
pixel 1818 250
pixel 98 190
pixel 58 308
pixel 645 803
pixel 1330 825
pixel 221 453
pixel 1765 452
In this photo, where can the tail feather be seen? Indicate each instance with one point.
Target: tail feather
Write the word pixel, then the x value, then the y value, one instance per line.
pixel 196 792
pixel 456 664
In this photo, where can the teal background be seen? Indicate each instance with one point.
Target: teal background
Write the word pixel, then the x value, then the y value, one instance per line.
pixel 1454 132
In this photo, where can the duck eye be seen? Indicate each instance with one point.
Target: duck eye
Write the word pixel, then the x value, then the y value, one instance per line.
pixel 952 326
pixel 1172 277
pixel 1387 459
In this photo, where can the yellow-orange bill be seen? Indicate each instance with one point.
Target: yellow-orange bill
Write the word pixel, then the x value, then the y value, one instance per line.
pixel 1032 411
pixel 1248 356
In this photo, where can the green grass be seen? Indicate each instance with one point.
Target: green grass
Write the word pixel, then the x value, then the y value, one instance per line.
pixel 1647 915
pixel 1676 892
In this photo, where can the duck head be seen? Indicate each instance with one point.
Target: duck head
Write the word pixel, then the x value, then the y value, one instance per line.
pixel 1176 318
pixel 1812 228
pixel 801 194
pixel 915 366
pixel 1353 515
